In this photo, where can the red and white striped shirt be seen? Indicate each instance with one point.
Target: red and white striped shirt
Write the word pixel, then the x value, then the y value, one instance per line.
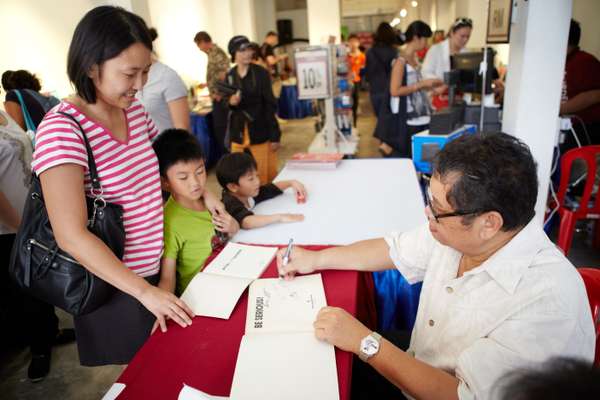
pixel 128 174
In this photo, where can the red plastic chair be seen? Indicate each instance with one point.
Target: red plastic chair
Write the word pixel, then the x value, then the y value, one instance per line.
pixel 584 210
pixel 591 279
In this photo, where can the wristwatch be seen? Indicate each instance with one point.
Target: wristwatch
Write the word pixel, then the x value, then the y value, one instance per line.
pixel 369 346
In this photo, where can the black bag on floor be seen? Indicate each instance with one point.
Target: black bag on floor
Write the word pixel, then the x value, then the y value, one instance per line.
pixel 46 272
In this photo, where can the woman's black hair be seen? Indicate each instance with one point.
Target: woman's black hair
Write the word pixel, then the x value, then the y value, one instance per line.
pixel 102 34
pixel 417 29
pixel 153 33
pixel 385 35
pixel 20 79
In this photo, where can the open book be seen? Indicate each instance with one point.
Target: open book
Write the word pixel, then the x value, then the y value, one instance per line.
pixel 279 356
pixel 215 291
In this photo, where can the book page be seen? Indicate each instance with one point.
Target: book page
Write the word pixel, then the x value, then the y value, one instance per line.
pixel 213 295
pixel 241 261
pixel 277 305
pixel 290 366
pixel 190 393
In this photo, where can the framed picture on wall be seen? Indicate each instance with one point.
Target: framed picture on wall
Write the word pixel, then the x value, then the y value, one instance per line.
pixel 499 16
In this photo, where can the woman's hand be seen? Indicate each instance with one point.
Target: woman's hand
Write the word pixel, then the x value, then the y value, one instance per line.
pixel 429 83
pixel 235 99
pixel 165 305
pixel 337 327
pixel 213 204
pixel 224 222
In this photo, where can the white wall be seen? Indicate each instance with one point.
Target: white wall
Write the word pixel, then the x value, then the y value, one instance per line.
pixel 587 13
pixel 265 18
pixel 533 88
pixel 323 20
pixel 36 37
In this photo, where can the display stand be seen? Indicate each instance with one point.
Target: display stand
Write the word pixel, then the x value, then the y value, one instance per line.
pixel 322 73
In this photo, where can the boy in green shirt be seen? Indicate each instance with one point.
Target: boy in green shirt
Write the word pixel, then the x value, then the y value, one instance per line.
pixel 188 225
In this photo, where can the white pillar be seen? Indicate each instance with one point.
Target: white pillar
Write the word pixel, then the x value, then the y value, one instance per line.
pixel 323 20
pixel 538 43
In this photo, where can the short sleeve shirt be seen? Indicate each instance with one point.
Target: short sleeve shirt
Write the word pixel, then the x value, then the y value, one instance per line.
pixel 238 210
pixel 188 235
pixel 128 174
pixel 524 305
pixel 218 64
pixel 163 86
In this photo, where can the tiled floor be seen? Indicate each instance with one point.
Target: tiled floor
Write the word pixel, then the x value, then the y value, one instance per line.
pixel 68 380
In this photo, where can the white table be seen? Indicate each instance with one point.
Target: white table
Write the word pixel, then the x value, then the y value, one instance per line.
pixel 360 199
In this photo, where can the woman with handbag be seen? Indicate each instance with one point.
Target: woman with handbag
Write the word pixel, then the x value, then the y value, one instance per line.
pixel 94 148
pixel 409 106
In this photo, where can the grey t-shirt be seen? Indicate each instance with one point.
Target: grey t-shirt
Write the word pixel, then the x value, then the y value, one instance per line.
pixel 163 86
pixel 15 166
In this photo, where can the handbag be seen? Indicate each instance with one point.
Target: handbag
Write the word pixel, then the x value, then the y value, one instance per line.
pixel 41 269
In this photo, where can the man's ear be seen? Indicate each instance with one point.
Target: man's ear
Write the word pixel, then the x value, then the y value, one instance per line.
pixel 233 187
pixel 492 224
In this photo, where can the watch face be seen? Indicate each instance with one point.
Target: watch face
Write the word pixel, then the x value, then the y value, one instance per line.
pixel 369 346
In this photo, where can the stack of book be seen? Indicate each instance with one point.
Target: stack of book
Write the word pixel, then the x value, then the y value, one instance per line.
pixel 315 160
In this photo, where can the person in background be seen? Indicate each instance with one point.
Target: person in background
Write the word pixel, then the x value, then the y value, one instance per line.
pixel 256 58
pixel 407 83
pixel 267 53
pixel 497 293
pixel 252 124
pixel 216 69
pixel 379 65
pixel 437 60
pixel 28 86
pixel 581 91
pixel 108 62
pixel 165 96
pixel 30 318
pixel 557 379
pixel 357 60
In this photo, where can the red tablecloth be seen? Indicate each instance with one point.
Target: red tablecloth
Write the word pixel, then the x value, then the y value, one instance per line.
pixel 204 354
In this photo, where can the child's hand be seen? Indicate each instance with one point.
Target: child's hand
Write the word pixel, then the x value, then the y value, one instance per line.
pixel 291 217
pixel 224 222
pixel 300 191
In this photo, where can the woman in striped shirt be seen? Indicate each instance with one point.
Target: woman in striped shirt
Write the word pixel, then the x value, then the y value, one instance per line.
pixel 108 62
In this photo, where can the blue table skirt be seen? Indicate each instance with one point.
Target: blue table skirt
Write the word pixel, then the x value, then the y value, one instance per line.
pixel 289 107
pixel 202 128
pixel 397 301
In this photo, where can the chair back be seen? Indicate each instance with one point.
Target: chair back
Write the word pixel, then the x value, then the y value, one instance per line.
pixel 591 279
pixel 585 209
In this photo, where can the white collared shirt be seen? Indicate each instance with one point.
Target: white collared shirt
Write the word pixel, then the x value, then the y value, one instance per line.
pixel 437 60
pixel 525 304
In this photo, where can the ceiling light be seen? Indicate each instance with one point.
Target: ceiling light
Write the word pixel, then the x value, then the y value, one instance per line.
pixel 395 22
pixel 403 13
pixel 414 3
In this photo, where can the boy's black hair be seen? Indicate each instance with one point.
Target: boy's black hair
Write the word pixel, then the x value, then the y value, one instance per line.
pixel 102 34
pixel 233 166
pixel 574 33
pixel 176 145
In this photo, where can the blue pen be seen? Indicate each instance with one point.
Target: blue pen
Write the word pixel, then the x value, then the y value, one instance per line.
pixel 286 255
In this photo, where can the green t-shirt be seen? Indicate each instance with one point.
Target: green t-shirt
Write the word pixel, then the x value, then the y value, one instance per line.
pixel 188 234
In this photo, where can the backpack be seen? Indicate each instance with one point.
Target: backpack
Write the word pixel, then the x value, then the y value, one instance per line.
pixel 46 102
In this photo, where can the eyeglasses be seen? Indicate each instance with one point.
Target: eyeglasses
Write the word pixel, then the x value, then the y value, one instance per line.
pixel 437 217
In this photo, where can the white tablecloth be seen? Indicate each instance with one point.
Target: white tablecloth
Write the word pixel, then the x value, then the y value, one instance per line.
pixel 361 199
